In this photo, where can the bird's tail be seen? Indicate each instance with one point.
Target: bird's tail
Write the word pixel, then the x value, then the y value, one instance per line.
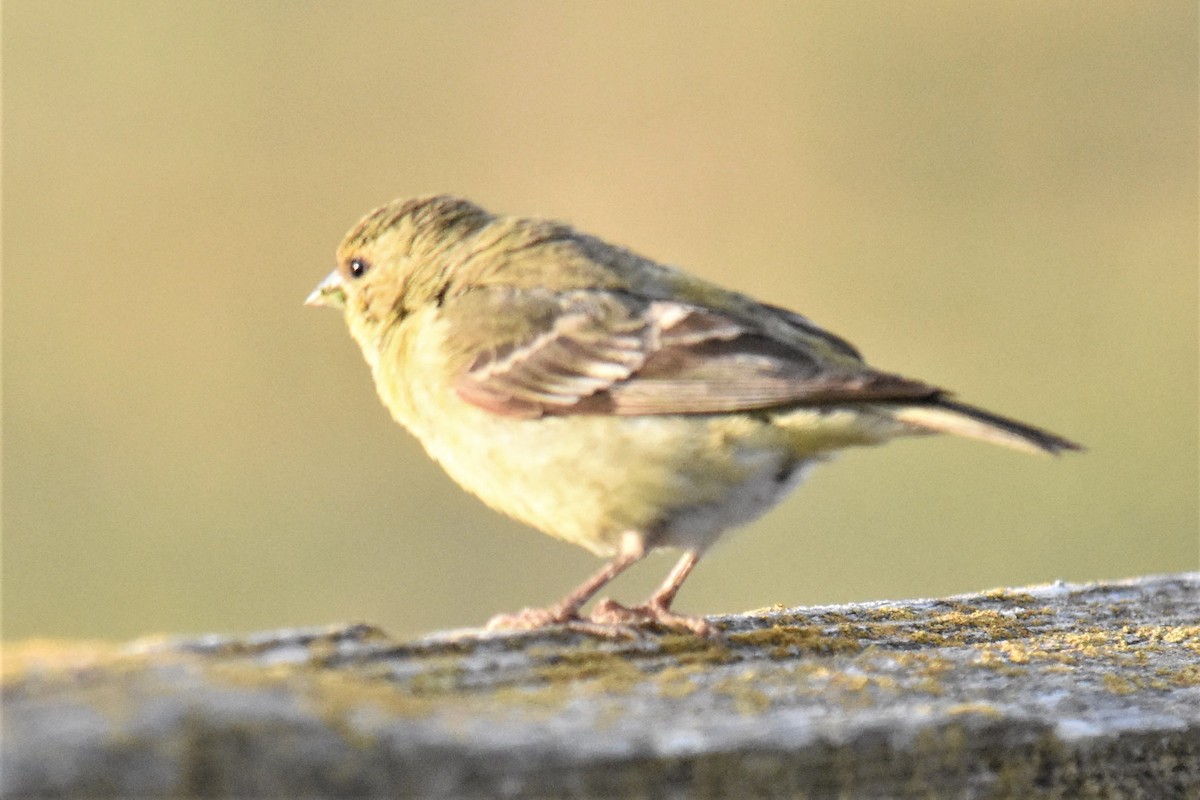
pixel 947 416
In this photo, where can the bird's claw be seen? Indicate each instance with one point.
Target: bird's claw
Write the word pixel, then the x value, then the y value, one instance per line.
pixel 533 619
pixel 610 612
pixel 528 619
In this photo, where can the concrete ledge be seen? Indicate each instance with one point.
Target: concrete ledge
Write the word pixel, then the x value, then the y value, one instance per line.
pixel 1044 692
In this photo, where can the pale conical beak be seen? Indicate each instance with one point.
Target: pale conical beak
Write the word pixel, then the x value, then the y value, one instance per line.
pixel 329 292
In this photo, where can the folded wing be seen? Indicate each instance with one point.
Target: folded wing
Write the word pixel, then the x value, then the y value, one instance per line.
pixel 606 352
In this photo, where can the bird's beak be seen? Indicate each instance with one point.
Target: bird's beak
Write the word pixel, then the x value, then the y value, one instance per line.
pixel 329 292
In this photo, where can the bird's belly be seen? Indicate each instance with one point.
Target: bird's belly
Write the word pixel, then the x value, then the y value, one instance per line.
pixel 589 479
pixel 696 527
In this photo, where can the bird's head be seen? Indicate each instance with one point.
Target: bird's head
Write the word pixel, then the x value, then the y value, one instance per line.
pixel 390 263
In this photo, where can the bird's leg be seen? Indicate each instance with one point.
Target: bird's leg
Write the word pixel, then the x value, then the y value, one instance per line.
pixel 657 609
pixel 567 609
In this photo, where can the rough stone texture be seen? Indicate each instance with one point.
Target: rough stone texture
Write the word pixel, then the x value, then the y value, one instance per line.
pixel 1058 691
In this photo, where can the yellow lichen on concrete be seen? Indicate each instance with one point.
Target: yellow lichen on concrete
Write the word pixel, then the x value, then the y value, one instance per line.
pixel 743 690
pixel 891 614
pixel 605 670
pixel 981 709
pixel 1010 596
pixel 961 624
pixel 788 642
pixel 1016 652
pixel 1119 684
pixel 677 682
pixel 1186 635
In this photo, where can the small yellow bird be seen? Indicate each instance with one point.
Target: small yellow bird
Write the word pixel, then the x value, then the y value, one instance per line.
pixel 606 399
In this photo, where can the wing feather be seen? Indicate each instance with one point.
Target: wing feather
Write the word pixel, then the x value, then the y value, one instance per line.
pixel 609 352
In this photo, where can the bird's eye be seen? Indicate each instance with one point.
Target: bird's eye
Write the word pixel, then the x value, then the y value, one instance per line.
pixel 359 267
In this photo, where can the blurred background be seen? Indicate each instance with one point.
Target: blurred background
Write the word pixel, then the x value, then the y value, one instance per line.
pixel 1000 198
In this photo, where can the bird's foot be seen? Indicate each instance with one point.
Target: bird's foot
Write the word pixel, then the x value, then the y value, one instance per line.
pixel 530 619
pixel 533 619
pixel 610 612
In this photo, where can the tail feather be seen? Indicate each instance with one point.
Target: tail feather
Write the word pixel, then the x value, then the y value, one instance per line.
pixel 947 416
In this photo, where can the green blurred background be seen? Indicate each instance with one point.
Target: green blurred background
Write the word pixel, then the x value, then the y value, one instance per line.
pixel 999 197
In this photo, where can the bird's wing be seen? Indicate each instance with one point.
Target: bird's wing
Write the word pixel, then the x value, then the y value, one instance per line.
pixel 608 352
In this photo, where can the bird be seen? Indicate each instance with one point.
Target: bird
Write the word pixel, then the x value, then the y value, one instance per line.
pixel 609 400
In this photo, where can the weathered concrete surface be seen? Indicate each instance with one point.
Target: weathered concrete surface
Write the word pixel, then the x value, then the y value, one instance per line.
pixel 1057 691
